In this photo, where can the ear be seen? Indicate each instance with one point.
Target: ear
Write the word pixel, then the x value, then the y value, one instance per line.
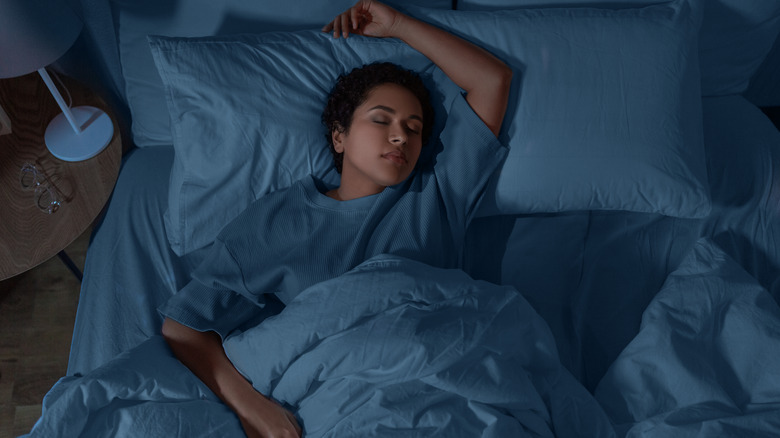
pixel 337 137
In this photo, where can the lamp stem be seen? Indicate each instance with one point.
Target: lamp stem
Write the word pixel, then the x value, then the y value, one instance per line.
pixel 60 101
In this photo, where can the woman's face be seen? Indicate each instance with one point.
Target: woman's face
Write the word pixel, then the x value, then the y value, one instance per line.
pixel 383 143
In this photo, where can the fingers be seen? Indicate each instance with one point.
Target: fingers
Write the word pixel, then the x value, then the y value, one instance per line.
pixel 294 422
pixel 337 27
pixel 340 26
pixel 345 24
pixel 354 17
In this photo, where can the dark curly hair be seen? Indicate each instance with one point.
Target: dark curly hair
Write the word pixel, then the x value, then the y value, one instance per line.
pixel 351 90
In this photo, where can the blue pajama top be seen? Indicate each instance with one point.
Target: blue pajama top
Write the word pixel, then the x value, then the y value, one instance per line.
pixel 295 237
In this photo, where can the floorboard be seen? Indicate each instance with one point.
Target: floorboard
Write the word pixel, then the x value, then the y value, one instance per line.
pixel 37 311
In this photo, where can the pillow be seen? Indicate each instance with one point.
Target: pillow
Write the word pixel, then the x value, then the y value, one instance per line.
pixel 138 18
pixel 245 114
pixel 735 36
pixel 604 112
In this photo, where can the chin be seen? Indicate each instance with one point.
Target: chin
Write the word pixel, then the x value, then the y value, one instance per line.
pixel 395 181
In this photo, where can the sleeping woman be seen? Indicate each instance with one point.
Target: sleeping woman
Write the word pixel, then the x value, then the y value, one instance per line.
pixel 378 118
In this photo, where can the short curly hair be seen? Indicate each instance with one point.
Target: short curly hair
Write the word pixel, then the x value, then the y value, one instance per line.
pixel 352 89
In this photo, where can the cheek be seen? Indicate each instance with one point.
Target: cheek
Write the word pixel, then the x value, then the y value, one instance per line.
pixel 416 150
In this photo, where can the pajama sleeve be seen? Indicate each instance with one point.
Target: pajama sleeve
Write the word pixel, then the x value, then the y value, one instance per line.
pixel 470 155
pixel 210 301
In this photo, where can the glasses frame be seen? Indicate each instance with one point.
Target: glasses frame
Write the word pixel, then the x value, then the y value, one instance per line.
pixel 47 198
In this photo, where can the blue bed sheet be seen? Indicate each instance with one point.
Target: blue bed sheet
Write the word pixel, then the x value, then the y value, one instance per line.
pixel 130 271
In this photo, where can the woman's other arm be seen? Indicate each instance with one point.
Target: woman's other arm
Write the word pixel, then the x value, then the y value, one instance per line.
pixel 203 354
pixel 484 77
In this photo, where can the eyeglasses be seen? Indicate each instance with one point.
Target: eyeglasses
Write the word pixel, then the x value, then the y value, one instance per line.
pixel 46 197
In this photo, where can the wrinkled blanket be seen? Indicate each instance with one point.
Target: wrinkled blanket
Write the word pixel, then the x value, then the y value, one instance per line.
pixel 392 348
pixel 706 362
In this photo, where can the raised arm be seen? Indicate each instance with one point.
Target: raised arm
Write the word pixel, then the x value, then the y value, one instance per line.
pixel 484 77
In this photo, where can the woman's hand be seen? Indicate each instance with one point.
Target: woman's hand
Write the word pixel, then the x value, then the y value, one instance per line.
pixel 484 77
pixel 268 419
pixel 367 17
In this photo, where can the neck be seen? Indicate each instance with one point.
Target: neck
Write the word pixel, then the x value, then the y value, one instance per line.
pixel 344 194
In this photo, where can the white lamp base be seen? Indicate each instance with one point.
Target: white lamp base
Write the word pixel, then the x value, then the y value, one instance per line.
pixel 63 142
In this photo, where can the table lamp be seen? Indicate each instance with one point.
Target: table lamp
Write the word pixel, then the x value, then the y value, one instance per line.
pixel 34 34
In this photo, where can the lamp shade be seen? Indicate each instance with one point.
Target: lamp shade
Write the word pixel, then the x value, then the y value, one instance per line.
pixel 34 34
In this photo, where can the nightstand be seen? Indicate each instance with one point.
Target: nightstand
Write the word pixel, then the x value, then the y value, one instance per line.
pixel 29 236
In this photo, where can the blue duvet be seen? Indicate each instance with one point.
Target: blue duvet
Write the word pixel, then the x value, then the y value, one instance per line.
pixel 392 348
pixel 706 361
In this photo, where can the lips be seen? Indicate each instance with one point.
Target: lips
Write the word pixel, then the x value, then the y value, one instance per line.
pixel 397 157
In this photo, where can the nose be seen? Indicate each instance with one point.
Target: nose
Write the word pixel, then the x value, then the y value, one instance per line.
pixel 398 136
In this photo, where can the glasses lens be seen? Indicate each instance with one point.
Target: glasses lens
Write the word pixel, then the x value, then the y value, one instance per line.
pixel 48 201
pixel 29 176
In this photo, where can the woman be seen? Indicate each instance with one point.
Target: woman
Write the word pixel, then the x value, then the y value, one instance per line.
pixel 377 207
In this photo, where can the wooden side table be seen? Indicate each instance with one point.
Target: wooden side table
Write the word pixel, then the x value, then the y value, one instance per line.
pixel 28 236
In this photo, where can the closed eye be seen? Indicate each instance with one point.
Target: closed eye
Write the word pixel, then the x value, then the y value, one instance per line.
pixel 413 128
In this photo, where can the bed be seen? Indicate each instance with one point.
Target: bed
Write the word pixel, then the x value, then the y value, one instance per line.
pixel 621 276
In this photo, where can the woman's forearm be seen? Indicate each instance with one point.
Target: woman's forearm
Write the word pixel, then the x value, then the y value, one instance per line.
pixel 485 78
pixel 466 64
pixel 203 354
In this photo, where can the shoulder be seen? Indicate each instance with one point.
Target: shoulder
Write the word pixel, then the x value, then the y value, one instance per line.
pixel 264 207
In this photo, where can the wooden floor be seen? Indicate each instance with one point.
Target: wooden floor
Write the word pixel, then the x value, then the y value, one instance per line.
pixel 37 310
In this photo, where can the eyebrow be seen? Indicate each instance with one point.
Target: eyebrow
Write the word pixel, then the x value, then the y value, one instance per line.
pixel 392 111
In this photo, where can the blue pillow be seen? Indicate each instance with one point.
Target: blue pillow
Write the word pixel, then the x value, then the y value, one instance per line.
pixel 245 113
pixel 735 36
pixel 604 112
pixel 138 18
